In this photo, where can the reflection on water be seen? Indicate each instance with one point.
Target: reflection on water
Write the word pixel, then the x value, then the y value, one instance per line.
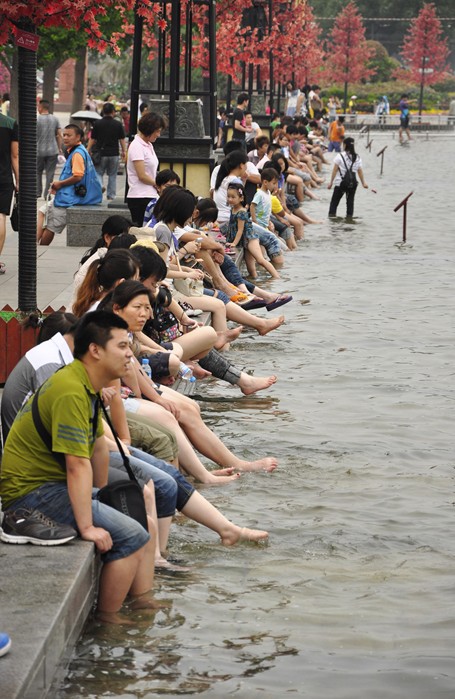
pixel 353 596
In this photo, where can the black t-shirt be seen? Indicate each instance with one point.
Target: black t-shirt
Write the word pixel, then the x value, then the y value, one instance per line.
pixel 238 116
pixel 8 134
pixel 107 132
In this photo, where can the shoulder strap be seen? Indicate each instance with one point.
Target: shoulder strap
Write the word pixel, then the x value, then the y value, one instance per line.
pixel 126 461
pixel 348 169
pixel 42 431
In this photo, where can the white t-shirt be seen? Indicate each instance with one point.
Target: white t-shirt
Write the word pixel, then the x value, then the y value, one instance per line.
pixel 342 167
pixel 220 198
pixel 251 135
pixel 140 150
pixel 82 271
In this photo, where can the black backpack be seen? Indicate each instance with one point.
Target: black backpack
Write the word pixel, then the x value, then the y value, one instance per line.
pixel 348 181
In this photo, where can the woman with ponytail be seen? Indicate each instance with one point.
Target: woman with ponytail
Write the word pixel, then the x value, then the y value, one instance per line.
pixel 103 276
pixel 343 165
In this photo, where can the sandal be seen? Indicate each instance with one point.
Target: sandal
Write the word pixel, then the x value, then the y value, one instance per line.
pixel 279 301
pixel 251 304
pixel 2 268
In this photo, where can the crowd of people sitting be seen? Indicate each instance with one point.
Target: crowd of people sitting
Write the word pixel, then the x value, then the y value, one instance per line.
pixel 131 332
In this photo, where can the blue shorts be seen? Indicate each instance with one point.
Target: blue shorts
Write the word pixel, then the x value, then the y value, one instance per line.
pixel 52 499
pixel 268 240
pixel 172 490
pixel 233 274
pixel 219 295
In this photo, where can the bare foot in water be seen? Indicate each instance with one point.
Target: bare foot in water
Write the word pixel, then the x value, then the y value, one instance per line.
pixel 221 476
pixel 269 325
pixel 226 336
pixel 198 372
pixel 268 464
pixel 112 618
pixel 236 534
pixel 163 564
pixel 252 384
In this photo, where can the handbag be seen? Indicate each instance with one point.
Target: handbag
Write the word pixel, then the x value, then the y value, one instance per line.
pixel 189 287
pixel 14 218
pixel 126 495
pixel 165 324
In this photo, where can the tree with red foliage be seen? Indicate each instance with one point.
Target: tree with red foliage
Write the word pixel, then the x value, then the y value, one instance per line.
pixel 297 47
pixel 424 50
pixel 348 53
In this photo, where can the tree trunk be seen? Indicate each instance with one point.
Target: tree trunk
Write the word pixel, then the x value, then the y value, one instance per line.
pixel 80 76
pixel 345 104
pixel 49 75
pixel 421 94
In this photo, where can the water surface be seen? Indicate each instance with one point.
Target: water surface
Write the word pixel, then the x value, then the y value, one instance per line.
pixel 354 595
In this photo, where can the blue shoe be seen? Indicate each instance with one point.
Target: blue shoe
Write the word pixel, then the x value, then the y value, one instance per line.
pixel 5 643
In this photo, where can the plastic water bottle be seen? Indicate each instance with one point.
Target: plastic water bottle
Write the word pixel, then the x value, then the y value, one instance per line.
pixel 186 373
pixel 146 368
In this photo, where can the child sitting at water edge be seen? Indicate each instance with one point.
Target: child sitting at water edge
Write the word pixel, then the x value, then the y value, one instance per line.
pixel 240 229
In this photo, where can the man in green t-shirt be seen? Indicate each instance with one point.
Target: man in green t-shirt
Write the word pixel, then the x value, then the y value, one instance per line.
pixel 32 477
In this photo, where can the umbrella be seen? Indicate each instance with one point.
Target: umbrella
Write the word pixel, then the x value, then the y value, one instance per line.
pixel 86 115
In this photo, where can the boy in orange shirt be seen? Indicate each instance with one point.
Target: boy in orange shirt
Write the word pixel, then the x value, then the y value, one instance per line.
pixel 336 135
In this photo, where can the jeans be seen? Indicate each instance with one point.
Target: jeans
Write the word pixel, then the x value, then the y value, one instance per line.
pixel 47 164
pixel 52 499
pixel 233 274
pixel 220 367
pixel 108 166
pixel 172 490
pixel 336 198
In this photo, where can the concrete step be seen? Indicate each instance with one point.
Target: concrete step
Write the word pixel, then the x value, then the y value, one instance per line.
pixel 46 594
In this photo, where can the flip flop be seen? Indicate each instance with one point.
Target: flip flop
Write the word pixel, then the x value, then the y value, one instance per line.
pixel 254 303
pixel 279 301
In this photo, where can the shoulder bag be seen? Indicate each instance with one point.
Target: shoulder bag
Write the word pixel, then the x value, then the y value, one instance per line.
pixel 126 495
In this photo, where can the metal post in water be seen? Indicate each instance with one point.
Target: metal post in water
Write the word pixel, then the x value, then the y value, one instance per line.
pixel 404 204
pixel 381 153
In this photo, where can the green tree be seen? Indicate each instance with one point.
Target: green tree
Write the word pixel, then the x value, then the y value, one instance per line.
pixel 380 62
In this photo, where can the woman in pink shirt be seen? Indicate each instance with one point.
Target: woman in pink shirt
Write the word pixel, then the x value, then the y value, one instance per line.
pixel 142 165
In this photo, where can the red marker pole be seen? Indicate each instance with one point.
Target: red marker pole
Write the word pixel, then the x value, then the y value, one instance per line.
pixel 404 204
pixel 381 153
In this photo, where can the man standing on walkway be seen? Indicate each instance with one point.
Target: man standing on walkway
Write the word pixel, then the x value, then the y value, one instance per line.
pixel 107 134
pixel 9 165
pixel 33 479
pixel 240 128
pixel 49 145
pixel 78 186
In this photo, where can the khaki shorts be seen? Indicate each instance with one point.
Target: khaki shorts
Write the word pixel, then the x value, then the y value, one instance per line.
pixel 56 217
pixel 152 437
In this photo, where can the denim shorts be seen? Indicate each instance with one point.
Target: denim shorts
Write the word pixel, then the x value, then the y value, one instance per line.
pixel 52 499
pixel 219 295
pixel 184 488
pixel 268 240
pixel 233 274
pixel 145 469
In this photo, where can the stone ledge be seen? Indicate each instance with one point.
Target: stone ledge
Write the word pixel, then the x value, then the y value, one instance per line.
pixel 46 594
pixel 84 223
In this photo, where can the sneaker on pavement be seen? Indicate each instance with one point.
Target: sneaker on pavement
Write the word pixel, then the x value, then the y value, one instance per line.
pixel 32 527
pixel 5 643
